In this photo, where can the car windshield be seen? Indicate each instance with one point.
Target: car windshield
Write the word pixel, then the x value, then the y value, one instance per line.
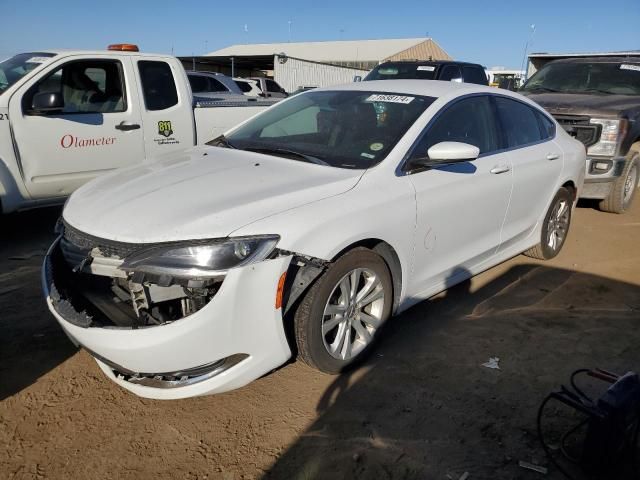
pixel 14 68
pixel 346 129
pixel 402 70
pixel 620 78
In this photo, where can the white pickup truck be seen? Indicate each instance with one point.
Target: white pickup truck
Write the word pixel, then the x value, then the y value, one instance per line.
pixel 68 116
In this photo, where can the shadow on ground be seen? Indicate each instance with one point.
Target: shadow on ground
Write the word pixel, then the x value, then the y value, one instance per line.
pixel 424 407
pixel 31 342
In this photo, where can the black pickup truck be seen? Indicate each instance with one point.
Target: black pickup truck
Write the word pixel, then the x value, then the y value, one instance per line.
pixel 597 100
pixel 447 70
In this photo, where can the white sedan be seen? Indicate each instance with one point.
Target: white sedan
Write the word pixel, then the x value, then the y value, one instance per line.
pixel 304 230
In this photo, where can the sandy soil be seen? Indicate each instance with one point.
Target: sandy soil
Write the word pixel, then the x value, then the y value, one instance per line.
pixel 421 407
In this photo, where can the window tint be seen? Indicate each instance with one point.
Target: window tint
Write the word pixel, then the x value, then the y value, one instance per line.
pixel 474 75
pixel 92 86
pixel 216 86
pixel 198 83
pixel 273 86
pixel 468 121
pixel 450 72
pixel 547 126
pixel 244 86
pixel 158 86
pixel 519 122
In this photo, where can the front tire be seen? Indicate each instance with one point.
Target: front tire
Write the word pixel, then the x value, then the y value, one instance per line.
pixel 555 227
pixel 624 188
pixel 340 315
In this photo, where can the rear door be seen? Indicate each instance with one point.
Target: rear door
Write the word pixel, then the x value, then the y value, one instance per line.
pixel 537 164
pixel 168 123
pixel 97 130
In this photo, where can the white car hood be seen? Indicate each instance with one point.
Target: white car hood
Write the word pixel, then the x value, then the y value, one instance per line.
pixel 206 192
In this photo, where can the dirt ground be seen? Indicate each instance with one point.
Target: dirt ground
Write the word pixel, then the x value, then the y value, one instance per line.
pixel 421 407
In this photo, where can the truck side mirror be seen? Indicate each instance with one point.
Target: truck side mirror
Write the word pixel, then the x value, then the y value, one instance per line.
pixel 47 102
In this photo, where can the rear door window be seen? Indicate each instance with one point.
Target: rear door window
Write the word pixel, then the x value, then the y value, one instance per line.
pixel 450 72
pixel 158 86
pixel 474 75
pixel 273 86
pixel 520 123
pixel 547 127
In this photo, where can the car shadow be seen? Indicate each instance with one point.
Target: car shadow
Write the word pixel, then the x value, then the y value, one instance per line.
pixel 31 342
pixel 423 405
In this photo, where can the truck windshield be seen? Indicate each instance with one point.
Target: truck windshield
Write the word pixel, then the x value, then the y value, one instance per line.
pixel 402 70
pixel 620 78
pixel 346 129
pixel 14 68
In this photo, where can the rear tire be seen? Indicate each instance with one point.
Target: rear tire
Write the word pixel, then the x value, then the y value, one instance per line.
pixel 624 188
pixel 555 227
pixel 341 314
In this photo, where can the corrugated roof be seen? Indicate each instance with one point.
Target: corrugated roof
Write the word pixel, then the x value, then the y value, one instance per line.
pixel 427 50
pixel 337 51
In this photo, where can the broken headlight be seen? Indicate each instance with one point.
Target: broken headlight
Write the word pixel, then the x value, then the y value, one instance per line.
pixel 201 259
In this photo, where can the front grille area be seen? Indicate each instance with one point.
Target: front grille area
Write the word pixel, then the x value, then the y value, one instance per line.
pixel 108 248
pixel 578 127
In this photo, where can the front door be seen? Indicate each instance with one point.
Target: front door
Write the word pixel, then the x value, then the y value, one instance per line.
pixel 98 130
pixel 460 207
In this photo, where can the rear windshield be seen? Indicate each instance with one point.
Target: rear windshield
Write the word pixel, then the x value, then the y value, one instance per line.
pixel 619 78
pixel 14 68
pixel 401 70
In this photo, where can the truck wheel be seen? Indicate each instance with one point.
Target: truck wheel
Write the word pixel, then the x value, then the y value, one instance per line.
pixel 554 227
pixel 624 188
pixel 341 314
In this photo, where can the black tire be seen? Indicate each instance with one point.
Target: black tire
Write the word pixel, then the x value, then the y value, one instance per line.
pixel 624 188
pixel 310 314
pixel 544 251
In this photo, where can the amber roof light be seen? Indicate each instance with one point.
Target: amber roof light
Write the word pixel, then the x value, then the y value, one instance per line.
pixel 124 47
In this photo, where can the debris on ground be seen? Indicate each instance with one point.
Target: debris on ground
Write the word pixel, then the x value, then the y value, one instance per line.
pixel 531 466
pixel 492 363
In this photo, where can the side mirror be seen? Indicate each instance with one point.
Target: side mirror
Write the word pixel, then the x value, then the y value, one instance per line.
pixel 357 78
pixel 47 102
pixel 445 153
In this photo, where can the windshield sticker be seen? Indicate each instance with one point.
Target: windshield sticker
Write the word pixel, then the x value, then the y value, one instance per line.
pixel 37 60
pixel 367 155
pixel 630 67
pixel 376 146
pixel 426 68
pixel 389 98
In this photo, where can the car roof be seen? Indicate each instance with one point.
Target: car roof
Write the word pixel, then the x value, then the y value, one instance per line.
pixel 428 88
pixel 432 62
pixel 621 59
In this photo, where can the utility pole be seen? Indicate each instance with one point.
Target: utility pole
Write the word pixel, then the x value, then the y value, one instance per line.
pixel 289 22
pixel 532 27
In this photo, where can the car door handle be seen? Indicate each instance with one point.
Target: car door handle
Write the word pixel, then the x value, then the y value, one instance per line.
pixel 126 126
pixel 500 169
pixel 552 156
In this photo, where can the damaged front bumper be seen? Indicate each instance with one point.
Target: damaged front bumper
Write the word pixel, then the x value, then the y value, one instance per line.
pixel 221 340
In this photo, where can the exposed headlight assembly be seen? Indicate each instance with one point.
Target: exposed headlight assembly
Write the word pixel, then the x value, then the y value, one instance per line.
pixel 612 132
pixel 201 259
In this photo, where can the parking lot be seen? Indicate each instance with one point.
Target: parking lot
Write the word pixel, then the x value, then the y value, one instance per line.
pixel 421 407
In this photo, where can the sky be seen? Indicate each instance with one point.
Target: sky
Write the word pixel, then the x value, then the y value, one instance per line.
pixel 489 32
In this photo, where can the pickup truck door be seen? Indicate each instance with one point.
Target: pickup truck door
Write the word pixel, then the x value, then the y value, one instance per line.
pixel 168 120
pixel 97 130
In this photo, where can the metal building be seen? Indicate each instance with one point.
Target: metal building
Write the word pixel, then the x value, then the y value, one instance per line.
pixel 315 64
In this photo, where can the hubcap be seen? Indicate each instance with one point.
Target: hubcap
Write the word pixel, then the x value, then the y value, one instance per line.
pixel 630 184
pixel 558 225
pixel 353 313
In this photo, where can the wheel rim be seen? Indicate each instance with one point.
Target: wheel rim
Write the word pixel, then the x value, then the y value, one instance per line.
pixel 353 313
pixel 629 184
pixel 558 225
